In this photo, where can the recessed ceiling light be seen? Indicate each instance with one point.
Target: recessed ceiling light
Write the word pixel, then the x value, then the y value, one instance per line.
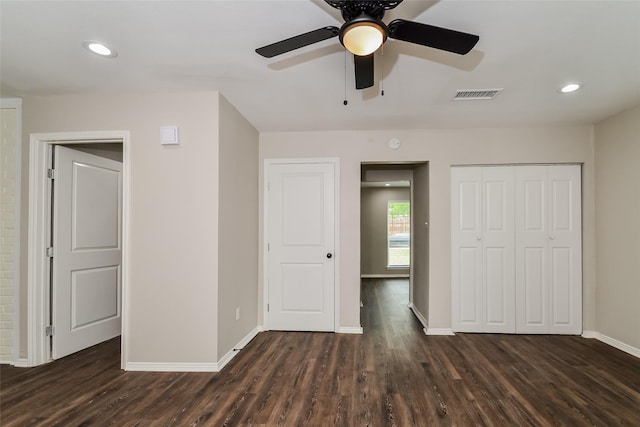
pixel 99 48
pixel 571 87
pixel 387 185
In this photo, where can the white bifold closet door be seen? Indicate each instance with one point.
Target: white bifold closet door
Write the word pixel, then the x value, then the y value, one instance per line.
pixel 516 249
pixel 483 252
pixel 549 250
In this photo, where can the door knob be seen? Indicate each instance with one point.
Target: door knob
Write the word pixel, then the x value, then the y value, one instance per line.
pixel 329 255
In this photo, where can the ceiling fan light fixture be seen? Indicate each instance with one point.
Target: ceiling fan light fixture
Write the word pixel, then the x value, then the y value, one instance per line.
pixel 363 36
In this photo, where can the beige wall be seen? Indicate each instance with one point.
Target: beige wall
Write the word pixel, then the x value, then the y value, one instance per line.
pixel 420 240
pixel 173 289
pixel 238 225
pixel 617 156
pixel 373 226
pixel 441 148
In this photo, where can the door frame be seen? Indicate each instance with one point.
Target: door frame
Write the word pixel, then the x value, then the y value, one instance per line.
pixel 38 294
pixel 268 163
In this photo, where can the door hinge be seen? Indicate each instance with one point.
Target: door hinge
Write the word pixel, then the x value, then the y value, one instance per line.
pixel 50 252
pixel 51 173
pixel 267 308
pixel 268 247
pixel 49 330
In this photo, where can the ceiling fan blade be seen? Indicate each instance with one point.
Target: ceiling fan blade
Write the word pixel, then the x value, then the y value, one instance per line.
pixel 297 42
pixel 364 71
pixel 436 37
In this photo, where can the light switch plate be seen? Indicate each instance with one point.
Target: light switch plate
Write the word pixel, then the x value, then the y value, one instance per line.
pixel 169 135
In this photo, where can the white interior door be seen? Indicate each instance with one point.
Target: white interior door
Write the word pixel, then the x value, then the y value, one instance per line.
pixel 301 238
pixel 87 250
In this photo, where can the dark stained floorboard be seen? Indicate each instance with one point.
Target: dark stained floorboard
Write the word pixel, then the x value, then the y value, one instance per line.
pixel 392 375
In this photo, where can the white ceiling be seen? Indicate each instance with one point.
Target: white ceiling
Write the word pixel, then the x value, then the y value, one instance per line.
pixel 529 48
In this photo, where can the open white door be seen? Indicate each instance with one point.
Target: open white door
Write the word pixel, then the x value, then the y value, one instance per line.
pixel 87 251
pixel 301 263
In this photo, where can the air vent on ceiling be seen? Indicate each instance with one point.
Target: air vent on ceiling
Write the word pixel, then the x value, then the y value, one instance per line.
pixel 474 94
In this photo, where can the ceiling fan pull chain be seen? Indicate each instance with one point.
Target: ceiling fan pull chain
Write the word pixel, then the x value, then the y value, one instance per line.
pixel 345 102
pixel 382 71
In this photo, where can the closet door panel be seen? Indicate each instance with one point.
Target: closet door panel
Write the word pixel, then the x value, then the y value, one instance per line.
pixel 561 306
pixel 498 249
pixel 532 256
pixel 470 288
pixel 534 277
pixel 466 254
pixel 497 303
pixel 565 248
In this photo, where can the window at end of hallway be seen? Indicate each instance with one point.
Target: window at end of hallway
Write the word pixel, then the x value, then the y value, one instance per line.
pixel 398 234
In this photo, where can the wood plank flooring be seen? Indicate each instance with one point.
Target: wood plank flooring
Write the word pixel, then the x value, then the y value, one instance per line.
pixel 392 375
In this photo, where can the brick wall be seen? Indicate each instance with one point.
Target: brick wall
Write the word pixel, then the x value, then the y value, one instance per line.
pixel 8 128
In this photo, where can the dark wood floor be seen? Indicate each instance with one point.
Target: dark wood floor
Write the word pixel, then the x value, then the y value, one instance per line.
pixel 391 375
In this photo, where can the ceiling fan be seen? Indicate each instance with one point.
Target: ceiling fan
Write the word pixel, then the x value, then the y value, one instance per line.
pixel 364 32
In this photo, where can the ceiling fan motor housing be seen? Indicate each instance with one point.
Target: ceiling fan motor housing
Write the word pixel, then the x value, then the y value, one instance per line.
pixel 352 9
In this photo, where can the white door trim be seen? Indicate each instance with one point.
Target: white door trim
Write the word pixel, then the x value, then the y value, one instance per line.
pixel 265 232
pixel 39 205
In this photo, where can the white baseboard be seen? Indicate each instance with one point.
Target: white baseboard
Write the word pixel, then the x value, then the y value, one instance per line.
pixel 350 330
pixel 341 330
pixel 19 363
pixel 385 276
pixel 193 367
pixel 231 353
pixel 427 330
pixel 171 367
pixel 612 342
pixel 420 317
pixel 439 331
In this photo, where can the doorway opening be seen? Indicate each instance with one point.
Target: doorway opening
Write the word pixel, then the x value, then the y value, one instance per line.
pixel 394 234
pixel 39 309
